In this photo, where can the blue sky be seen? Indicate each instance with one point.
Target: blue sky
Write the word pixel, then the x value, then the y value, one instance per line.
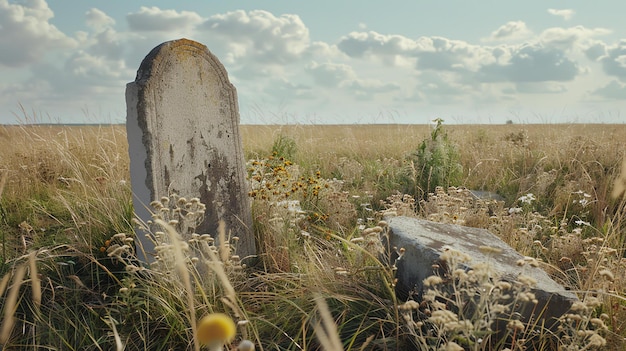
pixel 348 61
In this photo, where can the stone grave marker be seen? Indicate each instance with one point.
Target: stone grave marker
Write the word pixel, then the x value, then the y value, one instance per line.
pixel 183 135
pixel 424 241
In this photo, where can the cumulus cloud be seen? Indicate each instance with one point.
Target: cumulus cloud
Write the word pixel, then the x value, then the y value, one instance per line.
pixel 259 35
pixel 440 87
pixel 595 50
pixel 444 54
pixel 287 89
pixel 530 63
pixel 513 30
pixel 566 38
pixel 271 58
pixel 98 20
pixel 544 58
pixel 435 53
pixel 107 43
pixel 566 14
pixel 614 62
pixel 612 91
pixel 371 86
pixel 154 19
pixel 330 74
pixel 81 76
pixel 95 70
pixel 26 33
pixel 540 88
pixel 359 44
pixel 364 89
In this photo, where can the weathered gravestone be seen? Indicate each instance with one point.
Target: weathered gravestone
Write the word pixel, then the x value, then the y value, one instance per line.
pixel 424 241
pixel 183 135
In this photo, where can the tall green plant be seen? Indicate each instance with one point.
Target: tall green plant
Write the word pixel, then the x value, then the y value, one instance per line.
pixel 284 146
pixel 434 163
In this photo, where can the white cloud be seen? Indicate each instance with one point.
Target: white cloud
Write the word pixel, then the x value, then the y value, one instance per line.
pixel 444 54
pixel 566 14
pixel 106 43
pixel 98 20
pixel 441 87
pixel 364 89
pixel 259 35
pixel 531 63
pixel 371 86
pixel 26 34
pixel 153 19
pixel 288 90
pixel 543 58
pixel 612 91
pixel 330 74
pixel 511 31
pixel 95 70
pixel 614 62
pixel 435 53
pixel 540 88
pixel 81 76
pixel 359 44
pixel 272 60
pixel 566 38
pixel 595 50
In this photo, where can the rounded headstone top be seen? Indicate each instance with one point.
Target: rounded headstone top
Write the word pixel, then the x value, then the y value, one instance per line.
pixel 181 48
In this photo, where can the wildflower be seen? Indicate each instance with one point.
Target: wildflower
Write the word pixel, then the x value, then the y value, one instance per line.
pixel 409 305
pixel 215 330
pixel 499 308
pixel 515 325
pixel 527 199
pixel 433 280
pixel 442 317
pixel 503 285
pixel 592 301
pixel 598 323
pixel 527 297
pixel 596 340
pixel 452 346
pixel 245 345
pixel 526 280
pixel 607 274
pixel 570 317
pixel 459 274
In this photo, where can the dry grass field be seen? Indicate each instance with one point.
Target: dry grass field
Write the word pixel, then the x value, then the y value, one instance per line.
pixel 69 279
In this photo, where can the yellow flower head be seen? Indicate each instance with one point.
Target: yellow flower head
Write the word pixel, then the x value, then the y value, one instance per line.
pixel 216 329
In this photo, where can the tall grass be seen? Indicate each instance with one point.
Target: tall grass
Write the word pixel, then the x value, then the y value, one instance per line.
pixel 71 281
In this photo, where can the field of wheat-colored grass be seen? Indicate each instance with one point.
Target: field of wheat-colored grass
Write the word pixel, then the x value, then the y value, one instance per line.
pixel 69 279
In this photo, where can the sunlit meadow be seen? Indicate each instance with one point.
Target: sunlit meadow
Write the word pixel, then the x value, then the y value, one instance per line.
pixel 69 279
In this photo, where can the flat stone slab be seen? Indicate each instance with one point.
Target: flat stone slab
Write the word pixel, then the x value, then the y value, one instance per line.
pixel 424 241
pixel 486 195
